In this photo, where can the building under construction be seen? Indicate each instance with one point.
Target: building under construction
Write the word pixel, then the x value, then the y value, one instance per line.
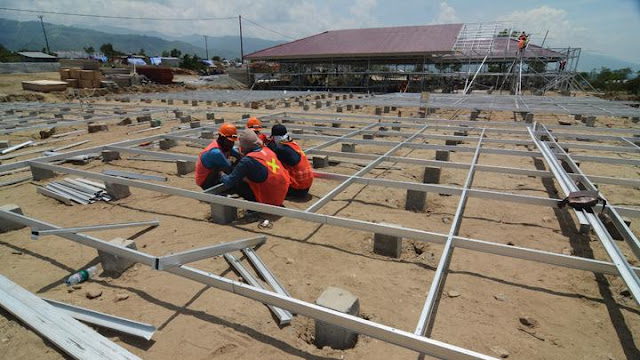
pixel 447 57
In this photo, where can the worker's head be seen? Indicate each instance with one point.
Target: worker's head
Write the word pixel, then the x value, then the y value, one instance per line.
pixel 254 124
pixel 249 141
pixel 279 133
pixel 227 135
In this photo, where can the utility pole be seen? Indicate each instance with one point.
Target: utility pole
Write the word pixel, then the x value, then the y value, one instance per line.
pixel 206 46
pixel 45 34
pixel 241 46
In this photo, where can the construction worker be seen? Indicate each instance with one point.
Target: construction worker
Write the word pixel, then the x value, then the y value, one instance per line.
pixel 522 41
pixel 259 175
pixel 254 124
pixel 215 157
pixel 293 159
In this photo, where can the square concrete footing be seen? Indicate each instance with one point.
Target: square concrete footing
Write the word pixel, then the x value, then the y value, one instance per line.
pixel 348 147
pixel 367 136
pixel 110 155
pixel 378 111
pixel 320 161
pixel 117 191
pixel 442 155
pixel 431 175
pixel 166 144
pixel 206 134
pixel 305 108
pixel 221 214
pixel 590 121
pixel 4 144
pixel 6 225
pixel 385 109
pixel 334 336
pixel 115 265
pixel 185 167
pixel 211 116
pixel 416 200
pixel 387 245
pixel 41 174
pixel 95 127
pixel 218 121
pixel 194 124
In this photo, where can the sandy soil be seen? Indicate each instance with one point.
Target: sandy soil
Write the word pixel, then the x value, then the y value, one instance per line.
pixel 580 315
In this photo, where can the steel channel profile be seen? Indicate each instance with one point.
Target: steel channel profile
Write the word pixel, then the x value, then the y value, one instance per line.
pixel 338 189
pixel 126 326
pixel 264 271
pixel 426 317
pixel 624 269
pixel 620 225
pixel 284 316
pixel 74 230
pixel 413 234
pixel 185 257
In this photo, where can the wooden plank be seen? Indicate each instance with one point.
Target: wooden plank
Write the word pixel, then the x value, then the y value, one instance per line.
pixel 68 334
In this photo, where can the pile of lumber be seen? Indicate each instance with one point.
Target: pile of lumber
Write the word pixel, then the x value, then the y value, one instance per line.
pixel 81 79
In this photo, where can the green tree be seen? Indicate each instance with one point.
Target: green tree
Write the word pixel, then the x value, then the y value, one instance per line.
pixel 175 53
pixel 108 50
pixel 141 52
pixel 165 53
pixel 89 50
pixel 216 58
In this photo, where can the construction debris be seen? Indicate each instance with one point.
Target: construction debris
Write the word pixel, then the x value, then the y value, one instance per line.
pixel 76 190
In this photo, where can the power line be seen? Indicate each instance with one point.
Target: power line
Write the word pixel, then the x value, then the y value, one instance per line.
pixel 266 28
pixel 116 17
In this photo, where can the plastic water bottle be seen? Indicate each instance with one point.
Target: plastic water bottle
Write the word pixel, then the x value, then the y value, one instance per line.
pixel 82 275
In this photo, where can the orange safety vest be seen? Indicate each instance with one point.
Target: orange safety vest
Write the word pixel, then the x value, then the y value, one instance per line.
pixel 521 43
pixel 301 173
pixel 203 172
pixel 274 189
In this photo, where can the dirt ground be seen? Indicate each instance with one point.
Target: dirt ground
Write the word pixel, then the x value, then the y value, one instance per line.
pixel 580 315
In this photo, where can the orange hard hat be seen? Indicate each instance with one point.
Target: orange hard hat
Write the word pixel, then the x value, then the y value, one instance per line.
pixel 254 123
pixel 229 131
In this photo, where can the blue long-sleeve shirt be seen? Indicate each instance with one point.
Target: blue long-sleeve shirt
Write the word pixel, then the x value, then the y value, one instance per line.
pixel 215 158
pixel 285 154
pixel 247 167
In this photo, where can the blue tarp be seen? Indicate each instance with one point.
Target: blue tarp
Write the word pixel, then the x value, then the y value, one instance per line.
pixel 207 62
pixel 136 61
pixel 155 60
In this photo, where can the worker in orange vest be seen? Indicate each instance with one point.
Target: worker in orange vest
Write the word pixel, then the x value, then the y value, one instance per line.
pixel 215 157
pixel 254 124
pixel 522 41
pixel 259 175
pixel 293 159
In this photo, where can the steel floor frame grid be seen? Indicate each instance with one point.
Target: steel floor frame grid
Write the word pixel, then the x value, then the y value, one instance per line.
pixel 310 214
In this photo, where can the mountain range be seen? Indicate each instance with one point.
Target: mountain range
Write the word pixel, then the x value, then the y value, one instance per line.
pixel 15 36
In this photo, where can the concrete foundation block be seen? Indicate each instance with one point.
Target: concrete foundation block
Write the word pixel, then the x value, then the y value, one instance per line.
pixel 287 104
pixel 110 155
pixel 330 335
pixel 211 116
pixel 169 101
pixel 166 144
pixel 95 127
pixel 185 102
pixel 194 103
pixel 305 108
pixel 185 119
pixel 178 114
pixel 220 104
pixel 339 109
pixel 348 147
pixel 155 123
pixel 474 115
pixel 387 245
pixel 6 225
pixel 209 102
pixel 431 175
pixel 270 107
pixel 451 142
pixel 59 116
pixel 415 200
pixel 206 135
pixel 590 121
pixel 4 144
pixel 385 110
pixel 194 124
pixel 222 215
pixel 443 155
pixel 114 264
pixel 320 162
pixel 185 167
pixel 117 191
pixel 41 174
pixel 367 136
pixel 358 107
pixel 297 131
pixel 246 116
pixel 143 118
pixel 336 124
pixel 255 105
pixel 328 103
pixel 218 121
pixel 378 111
pixel 349 107
pixel 577 117
pixel 529 118
pixel 318 104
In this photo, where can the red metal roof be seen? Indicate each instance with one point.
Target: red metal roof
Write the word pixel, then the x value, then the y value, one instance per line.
pixel 367 42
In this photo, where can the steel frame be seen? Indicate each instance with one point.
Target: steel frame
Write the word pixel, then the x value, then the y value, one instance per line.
pixel 175 263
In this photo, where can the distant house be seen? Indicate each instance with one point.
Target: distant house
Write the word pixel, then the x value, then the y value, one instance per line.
pixel 165 61
pixel 36 56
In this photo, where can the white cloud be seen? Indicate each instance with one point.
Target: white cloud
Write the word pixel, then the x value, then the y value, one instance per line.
pixel 447 14
pixel 297 18
pixel 562 31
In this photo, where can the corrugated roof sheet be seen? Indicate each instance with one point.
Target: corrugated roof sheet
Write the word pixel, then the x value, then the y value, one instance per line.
pixel 367 42
pixel 36 55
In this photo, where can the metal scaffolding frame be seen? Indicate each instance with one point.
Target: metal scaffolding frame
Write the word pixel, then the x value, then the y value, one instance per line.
pixel 521 134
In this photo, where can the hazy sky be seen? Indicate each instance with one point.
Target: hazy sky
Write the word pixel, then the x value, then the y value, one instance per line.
pixel 608 27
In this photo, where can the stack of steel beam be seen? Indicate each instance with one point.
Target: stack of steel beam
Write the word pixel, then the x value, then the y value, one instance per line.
pixel 79 190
